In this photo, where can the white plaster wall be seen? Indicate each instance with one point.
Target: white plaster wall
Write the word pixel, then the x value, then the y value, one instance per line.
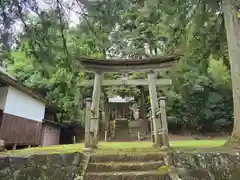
pixel 21 104
pixel 3 96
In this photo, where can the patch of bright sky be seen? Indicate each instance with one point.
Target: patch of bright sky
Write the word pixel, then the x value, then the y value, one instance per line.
pixel 71 8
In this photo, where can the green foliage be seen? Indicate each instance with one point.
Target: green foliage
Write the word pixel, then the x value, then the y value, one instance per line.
pixel 40 61
pixel 200 101
pixel 200 97
pixel 219 72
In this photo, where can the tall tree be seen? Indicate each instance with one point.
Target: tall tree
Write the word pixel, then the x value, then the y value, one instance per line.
pixel 125 28
pixel 43 62
pixel 231 10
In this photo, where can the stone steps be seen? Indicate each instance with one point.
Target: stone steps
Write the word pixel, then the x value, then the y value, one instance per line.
pixel 122 131
pixel 138 166
pixel 127 157
pixel 125 166
pixel 137 175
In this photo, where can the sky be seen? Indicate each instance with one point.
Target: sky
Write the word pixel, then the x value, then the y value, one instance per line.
pixel 72 16
pixel 70 10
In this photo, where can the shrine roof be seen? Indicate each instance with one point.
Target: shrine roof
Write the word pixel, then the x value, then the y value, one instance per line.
pixel 126 65
pixel 119 99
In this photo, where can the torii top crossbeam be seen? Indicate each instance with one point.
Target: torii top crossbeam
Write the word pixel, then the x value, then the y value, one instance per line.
pixel 127 65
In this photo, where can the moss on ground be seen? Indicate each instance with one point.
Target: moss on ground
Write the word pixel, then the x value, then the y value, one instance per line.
pixel 163 169
pixel 117 147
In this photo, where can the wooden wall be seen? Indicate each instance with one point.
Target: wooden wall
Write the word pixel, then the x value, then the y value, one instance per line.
pixel 20 131
pixel 119 110
pixel 51 135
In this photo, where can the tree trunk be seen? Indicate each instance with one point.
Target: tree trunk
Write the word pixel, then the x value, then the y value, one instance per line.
pixel 232 25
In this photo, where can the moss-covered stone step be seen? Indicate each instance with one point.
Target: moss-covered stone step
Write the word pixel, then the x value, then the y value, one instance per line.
pixel 146 175
pixel 124 166
pixel 198 174
pixel 131 157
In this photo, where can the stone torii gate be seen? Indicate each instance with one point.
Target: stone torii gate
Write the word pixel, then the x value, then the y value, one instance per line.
pixel 150 66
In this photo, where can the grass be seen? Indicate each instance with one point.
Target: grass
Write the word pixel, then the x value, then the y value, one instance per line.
pixel 117 147
pixel 59 149
pixel 148 144
pixel 163 169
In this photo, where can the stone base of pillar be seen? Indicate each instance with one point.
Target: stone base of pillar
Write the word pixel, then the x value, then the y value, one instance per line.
pixel 165 147
pixel 95 146
pixel 91 147
pixel 159 142
pixel 152 138
pixel 94 143
pixel 105 136
pixel 88 150
pixel 165 139
pixel 87 139
pixel 156 145
pixel 90 140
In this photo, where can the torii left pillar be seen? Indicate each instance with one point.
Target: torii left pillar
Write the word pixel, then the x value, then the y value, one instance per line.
pixel 154 107
pixel 95 108
pixel 88 133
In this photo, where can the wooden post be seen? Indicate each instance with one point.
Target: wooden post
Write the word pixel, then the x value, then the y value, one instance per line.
pixel 2 145
pixel 107 113
pixel 151 126
pixel 14 147
pixel 95 107
pixel 154 108
pixel 139 137
pixel 102 120
pixel 87 138
pixel 162 104
pixel 141 103
pixel 74 139
pixel 107 116
pixel 137 113
pixel 105 136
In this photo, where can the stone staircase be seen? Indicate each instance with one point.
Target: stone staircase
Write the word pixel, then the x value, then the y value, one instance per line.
pixel 122 131
pixel 127 166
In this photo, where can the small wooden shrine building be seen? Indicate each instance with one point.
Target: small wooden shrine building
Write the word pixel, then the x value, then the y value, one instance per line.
pixel 119 107
pixel 120 113
pixel 26 118
pixel 125 123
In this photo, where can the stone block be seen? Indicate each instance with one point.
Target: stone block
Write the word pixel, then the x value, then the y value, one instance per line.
pixel 54 173
pixel 55 160
pixel 6 173
pixel 37 160
pixel 31 173
pixel 73 159
pixel 70 172
pixel 17 163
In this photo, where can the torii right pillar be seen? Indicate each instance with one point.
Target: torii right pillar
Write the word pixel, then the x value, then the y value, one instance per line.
pixel 163 116
pixel 157 125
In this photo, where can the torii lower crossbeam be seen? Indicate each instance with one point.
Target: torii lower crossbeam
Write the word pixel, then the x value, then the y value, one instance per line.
pixel 135 82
